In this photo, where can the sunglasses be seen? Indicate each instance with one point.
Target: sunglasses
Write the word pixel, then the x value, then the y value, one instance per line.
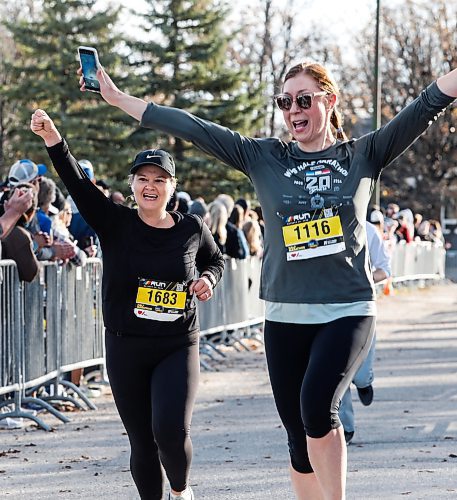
pixel 304 101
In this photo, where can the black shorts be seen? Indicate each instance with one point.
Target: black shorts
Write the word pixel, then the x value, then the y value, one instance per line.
pixel 310 368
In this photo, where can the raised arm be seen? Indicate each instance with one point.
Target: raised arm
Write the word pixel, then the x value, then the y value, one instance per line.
pixel 44 127
pixel 448 83
pixel 228 146
pixel 133 106
pixel 93 205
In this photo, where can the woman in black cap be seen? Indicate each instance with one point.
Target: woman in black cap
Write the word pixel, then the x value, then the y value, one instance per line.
pixel 150 259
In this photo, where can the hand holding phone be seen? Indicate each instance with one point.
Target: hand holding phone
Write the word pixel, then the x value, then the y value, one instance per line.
pixel 89 64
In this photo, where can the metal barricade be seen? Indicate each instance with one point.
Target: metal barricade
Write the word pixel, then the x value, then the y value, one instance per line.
pixel 83 337
pixel 54 325
pixel 25 302
pixel 256 306
pixel 234 308
pixel 48 327
pixel 418 260
pixel 10 360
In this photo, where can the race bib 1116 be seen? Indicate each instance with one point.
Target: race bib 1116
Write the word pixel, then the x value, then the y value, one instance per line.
pixel 313 234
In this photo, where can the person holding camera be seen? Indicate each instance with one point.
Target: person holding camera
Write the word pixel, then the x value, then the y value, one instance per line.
pixel 150 260
pixel 17 245
pixel 316 279
pixel 13 207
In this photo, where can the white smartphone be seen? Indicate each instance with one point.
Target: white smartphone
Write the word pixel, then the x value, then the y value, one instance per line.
pixel 89 63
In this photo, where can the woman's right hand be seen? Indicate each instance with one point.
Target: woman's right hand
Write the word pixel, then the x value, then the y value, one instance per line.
pixel 42 125
pixel 133 106
pixel 108 89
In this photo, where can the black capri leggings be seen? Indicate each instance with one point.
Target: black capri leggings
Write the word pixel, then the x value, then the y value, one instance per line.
pixel 154 383
pixel 310 368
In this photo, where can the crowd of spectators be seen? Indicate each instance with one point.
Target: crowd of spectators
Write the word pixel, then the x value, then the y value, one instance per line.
pixel 236 228
pixel 52 229
pixel 402 225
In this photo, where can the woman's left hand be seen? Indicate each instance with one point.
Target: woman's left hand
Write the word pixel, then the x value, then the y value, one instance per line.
pixel 202 289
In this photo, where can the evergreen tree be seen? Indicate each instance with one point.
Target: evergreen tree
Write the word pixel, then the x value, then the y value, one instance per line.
pixel 8 12
pixel 44 75
pixel 185 64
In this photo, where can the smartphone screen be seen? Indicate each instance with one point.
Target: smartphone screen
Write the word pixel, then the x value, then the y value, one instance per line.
pixel 89 67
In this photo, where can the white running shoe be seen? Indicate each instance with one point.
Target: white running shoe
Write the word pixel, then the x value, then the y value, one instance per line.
pixel 187 494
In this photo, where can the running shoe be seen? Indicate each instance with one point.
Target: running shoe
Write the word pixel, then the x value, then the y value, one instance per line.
pixel 187 494
pixel 366 395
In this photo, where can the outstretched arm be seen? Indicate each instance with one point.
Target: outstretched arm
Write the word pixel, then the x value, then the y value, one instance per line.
pixel 448 83
pixel 133 106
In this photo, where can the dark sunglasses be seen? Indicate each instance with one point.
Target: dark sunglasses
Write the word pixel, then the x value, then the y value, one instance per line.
pixel 304 101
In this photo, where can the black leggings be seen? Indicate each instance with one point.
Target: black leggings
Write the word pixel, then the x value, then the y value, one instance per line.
pixel 154 383
pixel 310 368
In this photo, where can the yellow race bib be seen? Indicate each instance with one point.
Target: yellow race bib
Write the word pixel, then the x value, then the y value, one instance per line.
pixel 160 300
pixel 313 234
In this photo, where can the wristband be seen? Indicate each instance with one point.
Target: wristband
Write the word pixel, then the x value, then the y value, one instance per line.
pixel 211 279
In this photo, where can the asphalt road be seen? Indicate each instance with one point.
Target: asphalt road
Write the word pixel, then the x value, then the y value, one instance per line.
pixel 405 444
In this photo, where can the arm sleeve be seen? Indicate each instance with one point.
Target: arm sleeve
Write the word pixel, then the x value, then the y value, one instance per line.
pixel 226 145
pixel 93 205
pixel 391 140
pixel 209 257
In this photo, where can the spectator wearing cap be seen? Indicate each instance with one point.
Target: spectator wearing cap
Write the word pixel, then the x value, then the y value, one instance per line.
pixel 88 169
pixel 25 171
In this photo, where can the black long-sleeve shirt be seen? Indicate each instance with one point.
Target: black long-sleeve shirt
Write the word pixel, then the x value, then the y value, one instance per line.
pixel 136 254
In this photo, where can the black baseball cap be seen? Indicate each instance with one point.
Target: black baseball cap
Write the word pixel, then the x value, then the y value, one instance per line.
pixel 157 157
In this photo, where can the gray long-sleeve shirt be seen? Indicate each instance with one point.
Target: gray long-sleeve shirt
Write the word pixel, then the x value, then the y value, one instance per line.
pixel 314 204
